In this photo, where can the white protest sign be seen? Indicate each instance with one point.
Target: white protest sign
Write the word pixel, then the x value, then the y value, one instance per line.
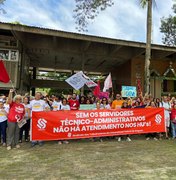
pixel 77 81
pixel 129 91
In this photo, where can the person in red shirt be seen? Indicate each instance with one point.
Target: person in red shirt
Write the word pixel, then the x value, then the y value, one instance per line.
pixel 73 102
pixel 16 114
pixel 173 120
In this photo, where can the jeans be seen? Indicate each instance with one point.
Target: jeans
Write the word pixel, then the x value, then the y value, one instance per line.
pixel 3 127
pixel 26 129
pixel 173 126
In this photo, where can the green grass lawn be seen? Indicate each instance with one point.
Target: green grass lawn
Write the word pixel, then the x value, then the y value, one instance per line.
pixel 83 159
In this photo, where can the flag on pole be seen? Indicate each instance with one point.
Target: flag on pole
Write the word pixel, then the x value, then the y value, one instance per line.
pixel 79 79
pixel 4 77
pixel 139 88
pixel 107 83
pixel 89 82
pixel 76 81
pixel 97 91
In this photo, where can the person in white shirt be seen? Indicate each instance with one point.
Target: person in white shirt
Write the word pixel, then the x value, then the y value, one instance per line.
pixel 167 110
pixel 37 105
pixel 26 127
pixel 3 122
pixel 105 104
pixel 64 105
pixel 56 105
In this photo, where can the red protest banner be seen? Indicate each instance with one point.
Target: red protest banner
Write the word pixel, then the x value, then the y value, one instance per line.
pixel 95 123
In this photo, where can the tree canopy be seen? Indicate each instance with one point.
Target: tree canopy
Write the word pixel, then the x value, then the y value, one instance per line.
pixel 168 28
pixel 86 11
pixel 1 6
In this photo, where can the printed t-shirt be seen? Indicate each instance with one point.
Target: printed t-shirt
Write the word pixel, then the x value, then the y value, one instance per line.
pixel 27 106
pixel 74 104
pixel 3 115
pixel 16 112
pixel 56 105
pixel 37 105
pixel 65 107
pixel 117 104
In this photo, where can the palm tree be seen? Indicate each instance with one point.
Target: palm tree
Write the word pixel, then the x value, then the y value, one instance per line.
pixel 87 10
pixel 148 44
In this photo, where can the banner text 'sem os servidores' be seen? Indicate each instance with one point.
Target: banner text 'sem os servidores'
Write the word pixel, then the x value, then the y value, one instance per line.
pixel 62 125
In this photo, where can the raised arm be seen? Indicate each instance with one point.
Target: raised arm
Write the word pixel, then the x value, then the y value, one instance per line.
pixel 10 96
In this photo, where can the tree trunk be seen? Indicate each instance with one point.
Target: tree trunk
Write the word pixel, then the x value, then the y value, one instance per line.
pixel 148 47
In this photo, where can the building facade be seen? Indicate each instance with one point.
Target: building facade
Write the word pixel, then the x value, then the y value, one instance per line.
pixel 28 50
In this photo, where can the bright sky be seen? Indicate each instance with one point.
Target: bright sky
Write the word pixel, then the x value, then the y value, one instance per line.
pixel 125 20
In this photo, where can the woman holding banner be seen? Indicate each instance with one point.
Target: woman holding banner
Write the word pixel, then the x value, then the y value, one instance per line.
pixel 38 105
pixel 105 104
pixel 125 105
pixel 152 104
pixel 64 106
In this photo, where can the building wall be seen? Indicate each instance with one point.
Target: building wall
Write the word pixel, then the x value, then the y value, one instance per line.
pixel 121 76
pixel 160 66
pixel 16 63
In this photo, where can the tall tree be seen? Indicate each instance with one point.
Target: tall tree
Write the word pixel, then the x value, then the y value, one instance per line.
pixel 1 8
pixel 168 28
pixel 89 9
pixel 148 46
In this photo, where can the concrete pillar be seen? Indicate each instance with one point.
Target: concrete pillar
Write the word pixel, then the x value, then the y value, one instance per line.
pixel 34 77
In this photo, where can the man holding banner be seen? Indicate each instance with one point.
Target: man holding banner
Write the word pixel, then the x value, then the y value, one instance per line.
pixel 38 105
pixel 117 103
pixel 73 102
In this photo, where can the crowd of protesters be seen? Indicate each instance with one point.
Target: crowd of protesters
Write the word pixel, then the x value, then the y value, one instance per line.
pixel 17 108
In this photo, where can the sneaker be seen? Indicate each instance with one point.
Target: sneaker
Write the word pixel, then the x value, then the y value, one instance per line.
pixel 147 139
pixel 17 146
pixel 40 144
pixel 119 139
pixel 3 144
pixel 128 139
pixel 155 139
pixel 92 139
pixel 65 142
pixel 59 142
pixel 26 140
pixel 9 148
pixel 20 141
pixel 101 140
pixel 33 144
